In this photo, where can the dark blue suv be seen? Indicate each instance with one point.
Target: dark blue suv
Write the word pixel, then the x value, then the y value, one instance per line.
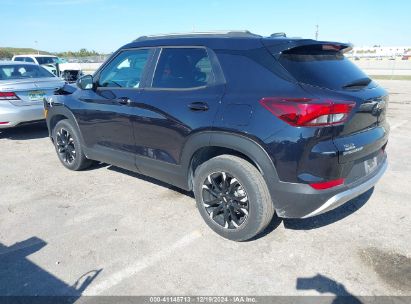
pixel 252 125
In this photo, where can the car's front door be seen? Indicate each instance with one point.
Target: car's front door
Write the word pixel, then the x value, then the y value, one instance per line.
pixel 105 113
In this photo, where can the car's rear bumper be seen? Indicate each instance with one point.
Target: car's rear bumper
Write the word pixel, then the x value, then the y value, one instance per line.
pixel 299 200
pixel 343 197
pixel 15 115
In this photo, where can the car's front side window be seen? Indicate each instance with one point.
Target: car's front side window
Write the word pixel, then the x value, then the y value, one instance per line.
pixel 183 68
pixel 125 70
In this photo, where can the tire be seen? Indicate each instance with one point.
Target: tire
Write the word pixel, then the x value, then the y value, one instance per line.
pixel 68 147
pixel 247 205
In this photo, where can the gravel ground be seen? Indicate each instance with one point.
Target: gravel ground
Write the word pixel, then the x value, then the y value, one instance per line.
pixel 107 231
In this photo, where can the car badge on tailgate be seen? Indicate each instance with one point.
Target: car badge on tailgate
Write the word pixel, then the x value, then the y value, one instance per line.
pixel 350 149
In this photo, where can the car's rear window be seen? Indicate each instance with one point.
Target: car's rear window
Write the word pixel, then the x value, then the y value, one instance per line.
pixel 22 71
pixel 321 66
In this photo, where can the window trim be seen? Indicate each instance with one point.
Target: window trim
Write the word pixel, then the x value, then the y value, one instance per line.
pixel 145 73
pixel 153 71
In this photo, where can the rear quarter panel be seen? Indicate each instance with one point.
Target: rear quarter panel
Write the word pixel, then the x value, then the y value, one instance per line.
pixel 288 147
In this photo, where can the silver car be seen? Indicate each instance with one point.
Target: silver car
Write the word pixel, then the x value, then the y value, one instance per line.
pixel 23 86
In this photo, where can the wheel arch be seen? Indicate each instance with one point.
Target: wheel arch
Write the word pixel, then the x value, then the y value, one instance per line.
pixel 201 147
pixel 58 113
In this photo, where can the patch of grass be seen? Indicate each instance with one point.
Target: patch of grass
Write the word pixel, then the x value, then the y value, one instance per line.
pixel 8 52
pixel 391 77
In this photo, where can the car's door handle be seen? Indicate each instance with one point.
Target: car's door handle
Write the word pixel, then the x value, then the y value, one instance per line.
pixel 198 106
pixel 124 100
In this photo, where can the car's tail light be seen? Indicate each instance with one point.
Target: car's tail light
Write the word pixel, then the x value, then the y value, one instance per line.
pixel 8 96
pixel 328 184
pixel 4 122
pixel 308 111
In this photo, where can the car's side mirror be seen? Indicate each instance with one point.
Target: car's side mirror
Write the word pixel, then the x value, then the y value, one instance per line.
pixel 85 82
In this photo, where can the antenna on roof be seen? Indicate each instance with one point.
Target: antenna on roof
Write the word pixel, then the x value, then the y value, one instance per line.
pixel 316 32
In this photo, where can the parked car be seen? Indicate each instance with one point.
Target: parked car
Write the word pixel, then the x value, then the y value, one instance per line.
pixel 23 86
pixel 251 125
pixel 58 66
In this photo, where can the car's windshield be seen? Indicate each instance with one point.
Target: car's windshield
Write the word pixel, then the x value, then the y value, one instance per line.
pixel 21 71
pixel 47 60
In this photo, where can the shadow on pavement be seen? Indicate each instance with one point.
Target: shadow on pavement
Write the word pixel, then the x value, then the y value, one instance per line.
pixel 21 277
pixel 331 216
pixel 26 132
pixel 323 284
pixel 295 224
pixel 151 180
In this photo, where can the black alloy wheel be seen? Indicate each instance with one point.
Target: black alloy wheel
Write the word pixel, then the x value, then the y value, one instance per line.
pixel 225 200
pixel 65 146
pixel 68 146
pixel 232 197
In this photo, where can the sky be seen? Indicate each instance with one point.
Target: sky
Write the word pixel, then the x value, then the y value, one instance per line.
pixel 105 25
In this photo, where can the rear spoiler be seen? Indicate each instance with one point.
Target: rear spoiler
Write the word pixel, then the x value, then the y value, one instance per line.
pixel 278 46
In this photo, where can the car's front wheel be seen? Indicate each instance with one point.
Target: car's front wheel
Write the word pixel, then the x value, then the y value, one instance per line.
pixel 232 197
pixel 68 147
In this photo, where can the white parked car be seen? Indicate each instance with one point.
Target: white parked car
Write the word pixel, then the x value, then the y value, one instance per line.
pixel 58 66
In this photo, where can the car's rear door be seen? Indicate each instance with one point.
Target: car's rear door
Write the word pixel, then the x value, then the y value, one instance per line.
pixel 105 114
pixel 182 98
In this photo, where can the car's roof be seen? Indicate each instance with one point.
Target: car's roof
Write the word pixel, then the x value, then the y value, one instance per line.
pixel 9 62
pixel 215 40
pixel 34 55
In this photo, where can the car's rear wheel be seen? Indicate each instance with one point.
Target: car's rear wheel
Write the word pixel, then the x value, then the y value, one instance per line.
pixel 232 197
pixel 68 146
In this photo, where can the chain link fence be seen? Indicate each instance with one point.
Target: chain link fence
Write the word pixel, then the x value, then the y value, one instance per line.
pixel 89 59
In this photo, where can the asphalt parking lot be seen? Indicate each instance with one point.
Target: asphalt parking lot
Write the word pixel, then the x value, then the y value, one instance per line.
pixel 107 231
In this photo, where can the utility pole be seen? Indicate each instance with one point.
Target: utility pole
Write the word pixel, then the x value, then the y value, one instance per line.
pixel 38 52
pixel 316 32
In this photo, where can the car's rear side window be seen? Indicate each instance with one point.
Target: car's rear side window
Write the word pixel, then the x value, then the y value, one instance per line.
pixel 46 60
pixel 183 68
pixel 27 59
pixel 314 65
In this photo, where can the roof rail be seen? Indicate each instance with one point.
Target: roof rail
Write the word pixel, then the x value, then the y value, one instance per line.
pixel 280 34
pixel 227 34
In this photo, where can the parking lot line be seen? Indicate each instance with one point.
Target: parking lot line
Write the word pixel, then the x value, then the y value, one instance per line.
pixel 398 124
pixel 140 265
